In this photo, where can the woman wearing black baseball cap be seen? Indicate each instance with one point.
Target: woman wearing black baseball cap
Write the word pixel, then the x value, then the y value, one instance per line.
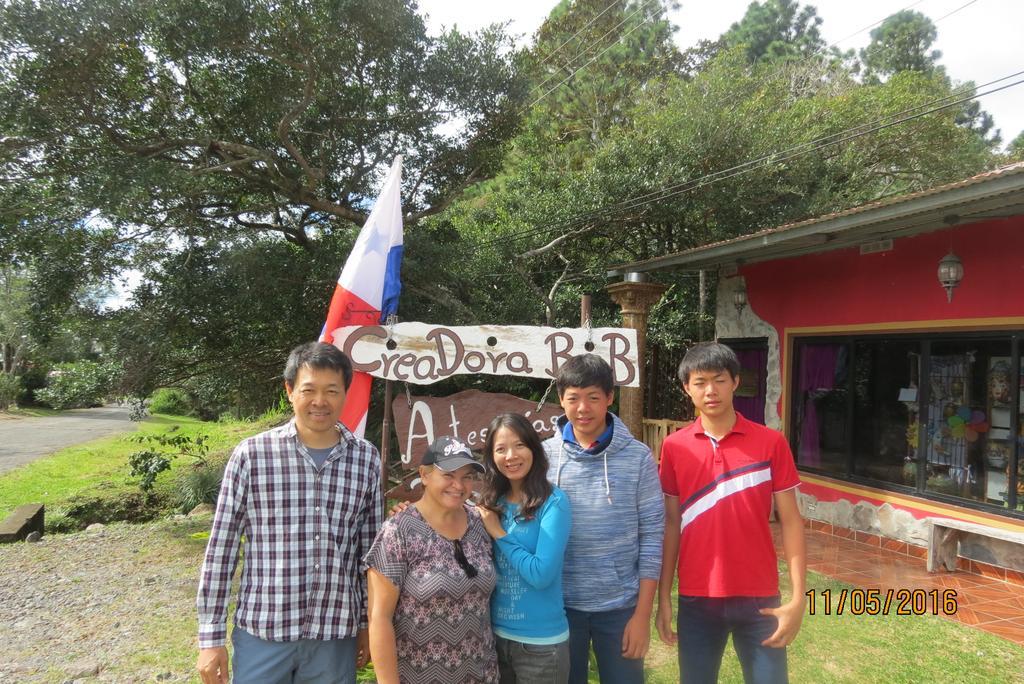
pixel 431 573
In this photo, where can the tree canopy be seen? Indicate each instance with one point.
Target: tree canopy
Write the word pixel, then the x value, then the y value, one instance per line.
pixel 777 29
pixel 901 43
pixel 212 117
pixel 228 151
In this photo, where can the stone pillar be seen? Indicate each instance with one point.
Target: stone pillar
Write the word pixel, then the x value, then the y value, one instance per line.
pixel 635 297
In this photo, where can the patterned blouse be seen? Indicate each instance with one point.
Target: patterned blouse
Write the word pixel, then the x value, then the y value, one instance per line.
pixel 443 618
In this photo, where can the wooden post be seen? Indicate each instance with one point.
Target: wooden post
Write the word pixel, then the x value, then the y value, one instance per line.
pixel 584 310
pixel 702 304
pixel 635 297
pixel 652 382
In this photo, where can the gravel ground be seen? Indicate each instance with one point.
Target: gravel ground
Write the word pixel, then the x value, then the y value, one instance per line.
pixel 107 605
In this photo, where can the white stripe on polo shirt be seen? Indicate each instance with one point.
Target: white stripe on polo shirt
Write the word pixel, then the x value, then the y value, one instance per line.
pixel 725 489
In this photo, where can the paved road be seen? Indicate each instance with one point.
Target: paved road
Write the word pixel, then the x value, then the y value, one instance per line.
pixel 23 440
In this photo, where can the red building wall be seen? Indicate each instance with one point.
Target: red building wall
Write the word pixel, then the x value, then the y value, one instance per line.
pixel 843 290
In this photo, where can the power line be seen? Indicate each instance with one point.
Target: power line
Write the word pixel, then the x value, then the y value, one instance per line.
pixel 871 26
pixel 954 11
pixel 766 79
pixel 835 138
pixel 775 157
pixel 575 35
pixel 842 140
pixel 612 44
pixel 657 193
pixel 869 124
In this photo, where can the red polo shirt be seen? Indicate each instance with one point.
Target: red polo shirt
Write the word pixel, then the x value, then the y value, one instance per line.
pixel 725 493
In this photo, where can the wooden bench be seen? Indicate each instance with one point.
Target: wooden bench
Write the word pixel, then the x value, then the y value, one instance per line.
pixel 946 533
pixel 22 520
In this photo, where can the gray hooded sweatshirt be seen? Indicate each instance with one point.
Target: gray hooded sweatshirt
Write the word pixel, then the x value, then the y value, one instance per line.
pixel 618 518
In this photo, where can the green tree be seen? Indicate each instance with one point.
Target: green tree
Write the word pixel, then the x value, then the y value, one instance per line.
pixel 211 117
pixel 777 29
pixel 218 318
pixel 591 62
pixel 1015 150
pixel 198 139
pixel 901 43
pixel 648 187
pixel 15 342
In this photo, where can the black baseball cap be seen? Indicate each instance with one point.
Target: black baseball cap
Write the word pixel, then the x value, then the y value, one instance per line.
pixel 450 454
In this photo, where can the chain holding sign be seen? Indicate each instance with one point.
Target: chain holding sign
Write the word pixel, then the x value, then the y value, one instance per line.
pixel 423 354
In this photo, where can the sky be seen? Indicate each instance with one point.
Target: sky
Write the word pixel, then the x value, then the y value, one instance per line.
pixel 976 39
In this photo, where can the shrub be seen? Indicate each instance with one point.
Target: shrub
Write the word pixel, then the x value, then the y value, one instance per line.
pixel 172 401
pixel 58 521
pixel 136 409
pixel 10 388
pixel 148 463
pixel 80 384
pixel 200 484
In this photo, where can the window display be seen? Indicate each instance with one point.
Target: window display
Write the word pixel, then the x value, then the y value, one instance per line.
pixel 937 414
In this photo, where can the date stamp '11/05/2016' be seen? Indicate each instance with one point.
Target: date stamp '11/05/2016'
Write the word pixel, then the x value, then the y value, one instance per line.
pixel 883 602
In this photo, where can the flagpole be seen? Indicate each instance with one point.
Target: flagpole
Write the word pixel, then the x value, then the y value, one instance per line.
pixel 385 444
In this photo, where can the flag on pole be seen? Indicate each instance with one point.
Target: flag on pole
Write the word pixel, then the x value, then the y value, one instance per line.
pixel 369 285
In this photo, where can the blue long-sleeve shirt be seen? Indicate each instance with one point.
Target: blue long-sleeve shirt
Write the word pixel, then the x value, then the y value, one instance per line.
pixel 618 518
pixel 527 605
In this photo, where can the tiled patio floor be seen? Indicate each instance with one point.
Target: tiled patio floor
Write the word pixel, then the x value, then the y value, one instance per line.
pixel 987 604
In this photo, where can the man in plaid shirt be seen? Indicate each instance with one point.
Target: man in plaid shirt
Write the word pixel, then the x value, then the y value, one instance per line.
pixel 306 498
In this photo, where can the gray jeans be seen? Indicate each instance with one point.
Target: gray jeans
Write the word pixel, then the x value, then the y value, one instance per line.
pixel 521 663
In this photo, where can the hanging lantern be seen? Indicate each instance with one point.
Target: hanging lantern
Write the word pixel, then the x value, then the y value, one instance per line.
pixel 951 272
pixel 739 298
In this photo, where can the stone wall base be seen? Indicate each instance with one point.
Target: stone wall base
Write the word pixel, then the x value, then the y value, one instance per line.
pixel 896 530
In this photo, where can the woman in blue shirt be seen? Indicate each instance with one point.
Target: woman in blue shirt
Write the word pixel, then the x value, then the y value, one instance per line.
pixel 529 519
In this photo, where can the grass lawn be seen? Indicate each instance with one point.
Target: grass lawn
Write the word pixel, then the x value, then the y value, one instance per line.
pixel 847 649
pixel 891 649
pixel 101 466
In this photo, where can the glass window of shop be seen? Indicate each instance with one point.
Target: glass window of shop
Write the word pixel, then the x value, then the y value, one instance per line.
pixel 940 415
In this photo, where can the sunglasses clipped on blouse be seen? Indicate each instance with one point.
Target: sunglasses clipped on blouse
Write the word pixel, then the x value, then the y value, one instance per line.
pixel 460 558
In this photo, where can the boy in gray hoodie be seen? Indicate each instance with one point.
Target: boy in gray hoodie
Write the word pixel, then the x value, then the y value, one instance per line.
pixel 613 559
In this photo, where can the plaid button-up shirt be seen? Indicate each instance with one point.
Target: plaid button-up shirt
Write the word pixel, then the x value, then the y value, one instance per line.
pixel 305 529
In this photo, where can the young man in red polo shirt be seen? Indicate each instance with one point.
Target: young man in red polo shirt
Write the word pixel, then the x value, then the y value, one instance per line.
pixel 720 476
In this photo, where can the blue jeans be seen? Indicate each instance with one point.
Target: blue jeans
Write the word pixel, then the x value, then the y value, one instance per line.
pixel 604 629
pixel 704 625
pixel 307 661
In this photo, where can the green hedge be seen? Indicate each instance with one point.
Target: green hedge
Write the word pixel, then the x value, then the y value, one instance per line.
pixel 171 401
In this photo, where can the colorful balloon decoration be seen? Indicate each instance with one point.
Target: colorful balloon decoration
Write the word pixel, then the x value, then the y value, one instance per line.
pixel 967 422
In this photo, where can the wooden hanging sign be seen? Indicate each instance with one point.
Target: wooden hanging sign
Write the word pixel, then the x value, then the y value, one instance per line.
pixel 422 353
pixel 465 415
